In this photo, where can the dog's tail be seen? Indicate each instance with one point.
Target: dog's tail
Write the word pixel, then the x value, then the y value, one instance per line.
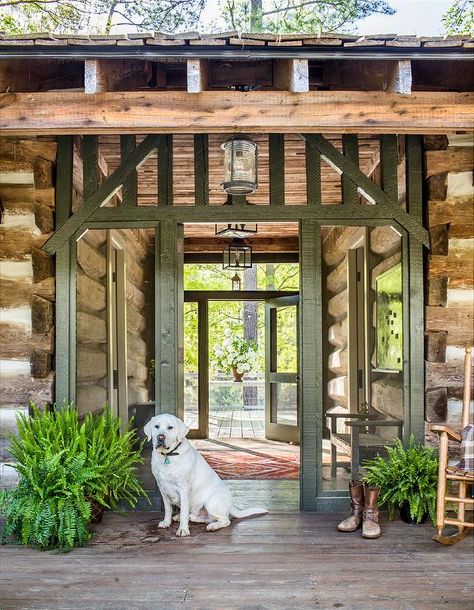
pixel 247 512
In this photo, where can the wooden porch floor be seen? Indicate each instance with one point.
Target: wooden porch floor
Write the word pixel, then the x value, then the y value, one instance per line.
pixel 278 561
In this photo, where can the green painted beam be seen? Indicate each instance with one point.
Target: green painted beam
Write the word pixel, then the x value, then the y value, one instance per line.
pixel 388 165
pixel 107 190
pixel 201 169
pixel 371 190
pixel 165 171
pixel 90 165
pixel 313 175
pixel 276 144
pixel 350 149
pixel 248 213
pixel 128 143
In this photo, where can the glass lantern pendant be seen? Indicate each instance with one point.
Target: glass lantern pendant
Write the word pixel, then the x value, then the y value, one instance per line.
pixel 240 166
pixel 237 255
pixel 236 282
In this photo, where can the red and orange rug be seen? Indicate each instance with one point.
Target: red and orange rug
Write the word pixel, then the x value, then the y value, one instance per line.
pixel 234 464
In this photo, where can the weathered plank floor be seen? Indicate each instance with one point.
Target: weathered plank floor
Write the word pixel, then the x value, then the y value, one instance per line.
pixel 278 561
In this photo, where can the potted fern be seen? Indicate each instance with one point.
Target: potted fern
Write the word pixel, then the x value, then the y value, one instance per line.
pixel 408 480
pixel 69 472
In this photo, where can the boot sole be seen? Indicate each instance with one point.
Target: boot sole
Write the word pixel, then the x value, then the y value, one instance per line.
pixel 371 537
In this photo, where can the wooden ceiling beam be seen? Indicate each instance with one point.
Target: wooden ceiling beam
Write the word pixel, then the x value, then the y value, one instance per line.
pixel 62 113
pixel 259 244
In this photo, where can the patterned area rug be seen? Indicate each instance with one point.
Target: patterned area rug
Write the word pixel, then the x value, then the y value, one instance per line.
pixel 242 465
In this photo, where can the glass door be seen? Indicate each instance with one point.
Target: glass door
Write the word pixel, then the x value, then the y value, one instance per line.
pixel 281 370
pixel 196 374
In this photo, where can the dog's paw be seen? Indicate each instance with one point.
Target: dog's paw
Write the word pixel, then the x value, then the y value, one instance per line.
pixel 176 517
pixel 164 524
pixel 182 532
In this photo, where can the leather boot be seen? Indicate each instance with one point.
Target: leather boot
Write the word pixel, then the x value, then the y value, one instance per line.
pixel 356 489
pixel 370 522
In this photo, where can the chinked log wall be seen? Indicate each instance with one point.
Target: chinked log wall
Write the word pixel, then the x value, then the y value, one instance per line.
pixel 450 294
pixel 27 287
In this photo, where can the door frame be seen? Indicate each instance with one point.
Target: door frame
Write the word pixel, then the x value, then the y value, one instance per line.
pixel 168 254
pixel 202 298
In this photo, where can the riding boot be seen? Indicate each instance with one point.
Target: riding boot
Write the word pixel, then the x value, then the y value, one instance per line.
pixel 356 489
pixel 370 522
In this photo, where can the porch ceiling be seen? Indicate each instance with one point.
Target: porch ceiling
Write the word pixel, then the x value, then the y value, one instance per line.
pixel 295 170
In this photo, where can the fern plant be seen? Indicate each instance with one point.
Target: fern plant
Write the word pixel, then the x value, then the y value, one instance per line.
pixel 406 475
pixel 48 509
pixel 64 465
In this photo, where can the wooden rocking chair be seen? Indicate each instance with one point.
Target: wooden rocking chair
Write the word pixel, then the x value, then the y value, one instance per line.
pixel 446 473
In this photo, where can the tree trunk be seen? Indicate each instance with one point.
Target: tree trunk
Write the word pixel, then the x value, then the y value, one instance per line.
pixel 250 329
pixel 256 15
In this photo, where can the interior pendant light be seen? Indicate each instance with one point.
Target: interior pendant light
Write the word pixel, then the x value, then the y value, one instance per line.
pixel 236 230
pixel 236 282
pixel 237 255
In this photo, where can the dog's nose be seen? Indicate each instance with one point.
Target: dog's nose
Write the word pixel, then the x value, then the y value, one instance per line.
pixel 160 440
pixel 161 437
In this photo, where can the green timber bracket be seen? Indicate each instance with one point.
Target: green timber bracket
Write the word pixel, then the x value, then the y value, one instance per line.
pixel 130 163
pixel 386 202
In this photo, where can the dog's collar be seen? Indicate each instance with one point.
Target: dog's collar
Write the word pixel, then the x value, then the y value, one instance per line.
pixel 172 452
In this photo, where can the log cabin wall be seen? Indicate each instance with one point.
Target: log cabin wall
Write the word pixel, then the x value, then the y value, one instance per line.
pixel 334 251
pixel 27 287
pixel 450 286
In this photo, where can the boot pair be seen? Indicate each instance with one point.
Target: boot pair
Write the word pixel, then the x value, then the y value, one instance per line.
pixel 363 510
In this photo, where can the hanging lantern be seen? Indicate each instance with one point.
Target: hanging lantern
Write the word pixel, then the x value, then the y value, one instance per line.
pixel 240 166
pixel 237 255
pixel 236 282
pixel 236 230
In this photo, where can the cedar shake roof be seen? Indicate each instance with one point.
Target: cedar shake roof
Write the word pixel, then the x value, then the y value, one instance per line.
pixel 236 40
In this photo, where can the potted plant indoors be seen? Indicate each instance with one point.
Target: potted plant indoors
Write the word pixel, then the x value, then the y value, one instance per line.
pixel 236 355
pixel 69 472
pixel 408 480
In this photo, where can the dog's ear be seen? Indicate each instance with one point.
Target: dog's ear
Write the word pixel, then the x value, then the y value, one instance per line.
pixel 183 429
pixel 148 428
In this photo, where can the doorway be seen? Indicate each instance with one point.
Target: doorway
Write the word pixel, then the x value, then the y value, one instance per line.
pixel 245 426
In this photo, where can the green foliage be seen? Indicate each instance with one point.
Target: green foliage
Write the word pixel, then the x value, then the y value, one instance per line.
pixel 287 16
pixel 98 16
pixel 63 463
pixel 406 475
pixel 459 18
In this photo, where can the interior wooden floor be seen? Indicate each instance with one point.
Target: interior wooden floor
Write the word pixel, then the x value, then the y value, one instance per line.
pixel 277 561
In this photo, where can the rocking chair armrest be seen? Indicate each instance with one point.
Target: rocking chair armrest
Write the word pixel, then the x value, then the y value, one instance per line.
pixel 438 428
pixel 375 422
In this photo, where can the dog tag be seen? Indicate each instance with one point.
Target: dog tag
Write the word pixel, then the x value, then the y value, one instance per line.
pixel 167 460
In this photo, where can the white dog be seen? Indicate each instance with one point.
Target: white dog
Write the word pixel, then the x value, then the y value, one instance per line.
pixel 186 480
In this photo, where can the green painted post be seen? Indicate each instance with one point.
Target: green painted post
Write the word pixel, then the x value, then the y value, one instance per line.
pixel 414 176
pixel 350 148
pixel 63 347
pixel 128 143
pixel 165 171
pixel 311 386
pixel 201 169
pixel 313 175
pixel 276 144
pixel 169 317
